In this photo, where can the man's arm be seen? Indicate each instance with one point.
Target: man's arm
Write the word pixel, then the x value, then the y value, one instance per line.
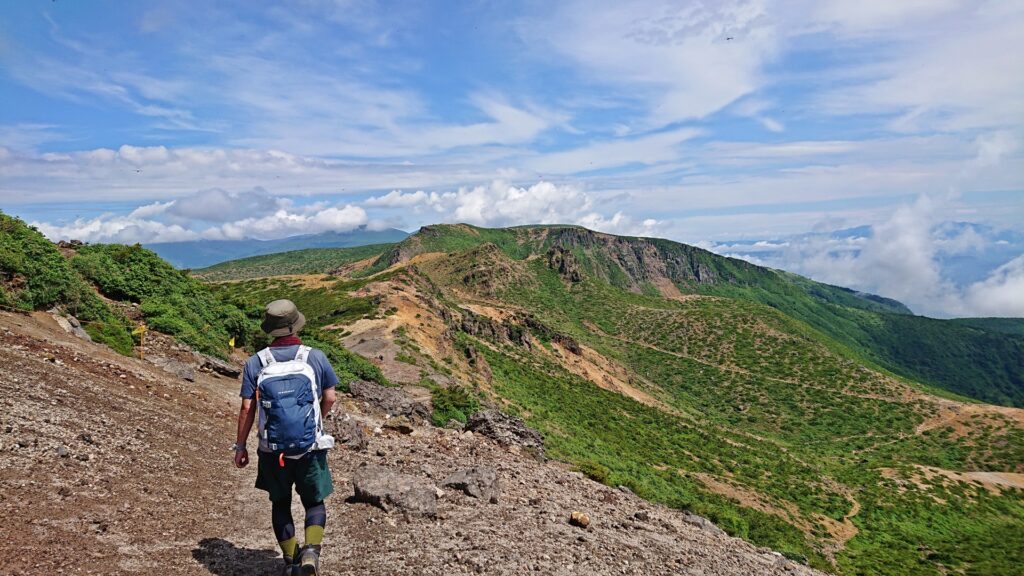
pixel 246 416
pixel 327 401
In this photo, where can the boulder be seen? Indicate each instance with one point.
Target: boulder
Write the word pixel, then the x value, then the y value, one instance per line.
pixel 348 432
pixel 400 424
pixel 479 482
pixel 506 430
pixel 702 523
pixel 217 365
pixel 70 324
pixel 389 490
pixel 393 401
pixel 173 366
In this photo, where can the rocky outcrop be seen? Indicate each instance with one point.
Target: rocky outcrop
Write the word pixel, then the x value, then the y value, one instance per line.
pixel 479 482
pixel 217 366
pixel 70 324
pixel 390 490
pixel 392 401
pixel 564 262
pixel 506 430
pixel 702 523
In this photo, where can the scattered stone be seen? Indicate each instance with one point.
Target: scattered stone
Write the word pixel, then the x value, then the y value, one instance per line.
pixel 579 519
pixel 82 457
pixel 63 452
pixel 479 482
pixel 506 430
pixel 642 515
pixel 390 490
pixel 454 424
pixel 392 401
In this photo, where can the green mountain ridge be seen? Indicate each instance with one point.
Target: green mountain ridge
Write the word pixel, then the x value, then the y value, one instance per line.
pixel 205 253
pixel 955 356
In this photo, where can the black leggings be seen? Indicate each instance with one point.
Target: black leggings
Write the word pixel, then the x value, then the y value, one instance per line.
pixel 284 526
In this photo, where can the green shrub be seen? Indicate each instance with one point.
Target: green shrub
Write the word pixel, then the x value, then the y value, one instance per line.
pixel 453 403
pixel 34 275
pixel 594 471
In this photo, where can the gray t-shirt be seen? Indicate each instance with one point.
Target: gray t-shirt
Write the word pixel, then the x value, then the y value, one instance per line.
pixel 325 376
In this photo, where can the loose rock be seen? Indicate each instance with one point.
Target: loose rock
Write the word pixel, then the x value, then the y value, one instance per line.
pixel 506 430
pixel 479 482
pixel 392 401
pixel 390 490
pixel 579 519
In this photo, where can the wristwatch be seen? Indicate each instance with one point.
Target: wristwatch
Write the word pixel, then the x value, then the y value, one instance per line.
pixel 236 447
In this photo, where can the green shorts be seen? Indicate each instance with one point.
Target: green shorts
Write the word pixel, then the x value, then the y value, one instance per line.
pixel 309 474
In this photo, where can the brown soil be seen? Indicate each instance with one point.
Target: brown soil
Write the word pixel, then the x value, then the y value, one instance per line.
pixel 959 414
pixel 994 482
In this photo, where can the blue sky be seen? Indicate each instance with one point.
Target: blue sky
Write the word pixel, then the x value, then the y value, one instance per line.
pixel 705 122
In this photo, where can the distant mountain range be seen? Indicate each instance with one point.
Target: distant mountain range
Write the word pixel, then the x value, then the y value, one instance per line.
pixel 203 253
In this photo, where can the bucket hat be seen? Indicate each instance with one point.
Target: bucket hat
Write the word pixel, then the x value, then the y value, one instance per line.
pixel 282 318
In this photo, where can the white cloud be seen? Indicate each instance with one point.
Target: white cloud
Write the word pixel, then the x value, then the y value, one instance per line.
pixel 1001 294
pixel 650 149
pixel 683 60
pixel 901 259
pixel 503 204
pixel 139 174
pixel 226 215
pixel 952 70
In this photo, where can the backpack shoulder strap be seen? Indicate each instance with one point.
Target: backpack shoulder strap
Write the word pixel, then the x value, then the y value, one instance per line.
pixel 302 353
pixel 266 357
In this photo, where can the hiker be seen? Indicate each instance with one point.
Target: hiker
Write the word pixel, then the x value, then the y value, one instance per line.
pixel 292 387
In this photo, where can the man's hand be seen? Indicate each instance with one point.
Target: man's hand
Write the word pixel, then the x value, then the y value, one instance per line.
pixel 241 458
pixel 246 415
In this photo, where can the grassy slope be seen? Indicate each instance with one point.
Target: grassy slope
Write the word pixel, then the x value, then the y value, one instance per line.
pixel 307 261
pixel 325 305
pixel 811 407
pixel 35 275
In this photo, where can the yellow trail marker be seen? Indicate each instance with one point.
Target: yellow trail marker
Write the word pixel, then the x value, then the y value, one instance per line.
pixel 231 342
pixel 141 333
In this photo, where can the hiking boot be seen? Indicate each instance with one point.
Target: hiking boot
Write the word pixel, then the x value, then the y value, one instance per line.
pixel 290 568
pixel 309 561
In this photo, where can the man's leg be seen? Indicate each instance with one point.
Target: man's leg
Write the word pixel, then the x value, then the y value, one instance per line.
pixel 316 521
pixel 284 527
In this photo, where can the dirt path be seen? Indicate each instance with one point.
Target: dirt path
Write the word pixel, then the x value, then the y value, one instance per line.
pixel 110 465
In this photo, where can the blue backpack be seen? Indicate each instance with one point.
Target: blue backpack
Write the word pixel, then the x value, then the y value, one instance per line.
pixel 289 406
